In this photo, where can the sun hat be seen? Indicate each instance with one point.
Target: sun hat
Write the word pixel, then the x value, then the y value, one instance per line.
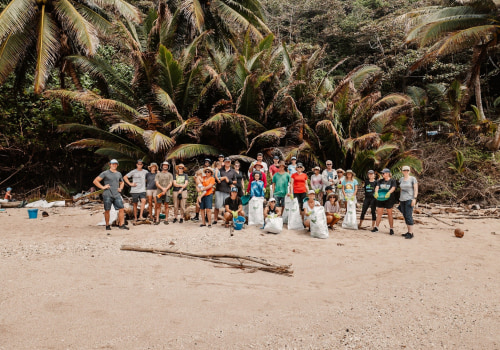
pixel 152 165
pixel 165 163
pixel 258 163
pixel 178 166
pixel 386 171
pixel 282 163
pixel 311 192
pixel 371 172
pixel 209 169
pixel 405 167
pixel 113 161
pixel 340 170
pixel 317 168
pixel 272 199
pixel 234 189
pixel 331 195
pixel 349 171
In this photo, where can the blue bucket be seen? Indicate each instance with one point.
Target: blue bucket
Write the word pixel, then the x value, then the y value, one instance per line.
pixel 32 213
pixel 239 222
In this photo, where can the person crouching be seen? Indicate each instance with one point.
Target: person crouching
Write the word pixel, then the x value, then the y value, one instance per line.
pixel 233 207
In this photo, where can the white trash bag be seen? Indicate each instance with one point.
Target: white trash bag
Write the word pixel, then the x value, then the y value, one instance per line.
pixel 350 221
pixel 319 227
pixel 113 215
pixel 274 224
pixel 294 217
pixel 286 209
pixel 256 211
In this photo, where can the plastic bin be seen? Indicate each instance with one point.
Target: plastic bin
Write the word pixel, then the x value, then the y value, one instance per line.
pixel 239 222
pixel 32 213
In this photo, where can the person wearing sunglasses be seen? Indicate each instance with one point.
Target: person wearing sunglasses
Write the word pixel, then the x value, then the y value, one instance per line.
pixel 180 192
pixel 208 183
pixel 408 199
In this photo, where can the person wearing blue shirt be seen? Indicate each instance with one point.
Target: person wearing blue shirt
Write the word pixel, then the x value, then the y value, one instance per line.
pixel 257 186
pixel 292 168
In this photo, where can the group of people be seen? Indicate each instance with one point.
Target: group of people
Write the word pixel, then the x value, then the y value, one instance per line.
pixel 220 187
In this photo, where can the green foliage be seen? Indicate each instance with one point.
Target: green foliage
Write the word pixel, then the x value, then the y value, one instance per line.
pixel 459 165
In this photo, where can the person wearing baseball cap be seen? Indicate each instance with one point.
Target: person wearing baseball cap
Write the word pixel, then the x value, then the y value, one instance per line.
pixel 330 178
pixel 164 181
pixel 111 181
pixel 385 199
pixel 317 183
pixel 260 159
pixel 233 207
pixel 274 168
pixel 138 187
pixel 407 199
pixel 369 201
pixel 300 186
pixel 151 189
pixel 292 167
pixel 225 179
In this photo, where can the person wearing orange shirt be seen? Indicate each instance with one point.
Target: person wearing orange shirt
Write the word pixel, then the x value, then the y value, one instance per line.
pixel 300 186
pixel 208 183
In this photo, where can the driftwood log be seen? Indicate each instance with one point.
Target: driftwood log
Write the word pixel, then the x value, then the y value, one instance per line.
pixel 225 259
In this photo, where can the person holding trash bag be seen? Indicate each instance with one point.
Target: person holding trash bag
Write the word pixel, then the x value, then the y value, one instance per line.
pixel 300 186
pixel 385 199
pixel 332 210
pixel 408 199
pixel 369 201
pixel 309 207
pixel 233 207
pixel 180 192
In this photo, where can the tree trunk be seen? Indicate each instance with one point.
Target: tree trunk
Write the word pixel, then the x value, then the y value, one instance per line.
pixel 479 101
pixel 474 79
pixel 494 144
pixel 64 102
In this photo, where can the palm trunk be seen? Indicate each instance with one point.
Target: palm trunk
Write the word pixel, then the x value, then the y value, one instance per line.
pixel 494 144
pixel 479 100
pixel 474 79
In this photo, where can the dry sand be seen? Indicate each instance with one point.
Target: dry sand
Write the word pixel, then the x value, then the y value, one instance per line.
pixel 66 285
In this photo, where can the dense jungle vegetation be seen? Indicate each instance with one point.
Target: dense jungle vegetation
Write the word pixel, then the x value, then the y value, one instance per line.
pixel 366 83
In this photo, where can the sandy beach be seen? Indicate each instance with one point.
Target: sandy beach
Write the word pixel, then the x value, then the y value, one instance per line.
pixel 66 285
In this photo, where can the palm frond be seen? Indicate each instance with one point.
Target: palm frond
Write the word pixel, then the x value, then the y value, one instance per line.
pixel 194 13
pixel 47 49
pixel 392 100
pixel 79 29
pixel 187 151
pixel 326 128
pixel 413 162
pixel 15 16
pixel 467 38
pixel 156 141
pixel 166 101
pixel 124 8
pixel 116 146
pixel 126 127
pixel 170 71
pixel 269 138
pixel 12 50
pixel 236 16
pixel 101 24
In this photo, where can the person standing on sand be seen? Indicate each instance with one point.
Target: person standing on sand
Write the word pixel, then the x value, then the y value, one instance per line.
pixel 300 186
pixel 113 186
pixel 180 192
pixel 164 181
pixel 408 199
pixel 226 180
pixel 369 201
pixel 151 188
pixel 206 201
pixel 138 187
pixel 281 180
pixel 317 184
pixel 239 178
pixel 260 160
pixel 385 199
pixel 198 176
pixel 292 168
pixel 330 178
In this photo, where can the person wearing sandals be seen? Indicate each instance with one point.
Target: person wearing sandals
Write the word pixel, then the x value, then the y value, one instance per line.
pixel 309 207
pixel 281 180
pixel 332 210
pixel 292 167
pixel 198 176
pixel 349 186
pixel 340 178
pixel 408 199
pixel 164 181
pixel 138 187
pixel 180 193
pixel 206 201
pixel 233 207
pixel 385 199
pixel 151 188
pixel 330 178
pixel 369 201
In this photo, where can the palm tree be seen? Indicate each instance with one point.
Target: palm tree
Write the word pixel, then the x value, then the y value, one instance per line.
pixel 40 32
pixel 457 28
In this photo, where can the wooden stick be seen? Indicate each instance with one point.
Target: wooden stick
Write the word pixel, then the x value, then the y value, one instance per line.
pixel 435 218
pixel 260 264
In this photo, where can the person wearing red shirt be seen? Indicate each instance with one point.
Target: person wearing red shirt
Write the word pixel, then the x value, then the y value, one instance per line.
pixel 300 186
pixel 258 167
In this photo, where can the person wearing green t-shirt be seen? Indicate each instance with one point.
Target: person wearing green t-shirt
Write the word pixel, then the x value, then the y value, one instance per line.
pixel 281 180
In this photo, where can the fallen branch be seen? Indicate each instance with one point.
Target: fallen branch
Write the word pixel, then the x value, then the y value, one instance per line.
pixel 260 264
pixel 435 218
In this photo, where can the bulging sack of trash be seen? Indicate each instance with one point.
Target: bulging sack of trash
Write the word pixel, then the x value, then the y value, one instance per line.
pixel 274 225
pixel 350 221
pixel 319 227
pixel 286 210
pixel 294 217
pixel 113 215
pixel 256 211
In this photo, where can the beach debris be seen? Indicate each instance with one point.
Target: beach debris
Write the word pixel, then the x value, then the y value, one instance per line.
pixel 475 207
pixel 251 264
pixel 45 214
pixel 459 232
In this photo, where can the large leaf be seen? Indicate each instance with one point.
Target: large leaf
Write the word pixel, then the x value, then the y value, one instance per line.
pixel 166 101
pixel 171 71
pixel 123 7
pixel 126 127
pixel 12 49
pixel 187 151
pixel 270 138
pixel 47 49
pixel 156 141
pixel 15 16
pixel 79 29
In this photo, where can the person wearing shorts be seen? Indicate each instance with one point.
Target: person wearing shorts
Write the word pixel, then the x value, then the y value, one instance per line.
pixel 281 180
pixel 111 182
pixel 300 187
pixel 225 180
pixel 206 201
pixel 151 188
pixel 138 187
pixel 164 181
pixel 369 201
pixel 385 199
pixel 179 192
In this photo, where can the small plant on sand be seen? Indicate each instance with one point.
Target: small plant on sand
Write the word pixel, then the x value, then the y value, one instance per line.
pixel 459 165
